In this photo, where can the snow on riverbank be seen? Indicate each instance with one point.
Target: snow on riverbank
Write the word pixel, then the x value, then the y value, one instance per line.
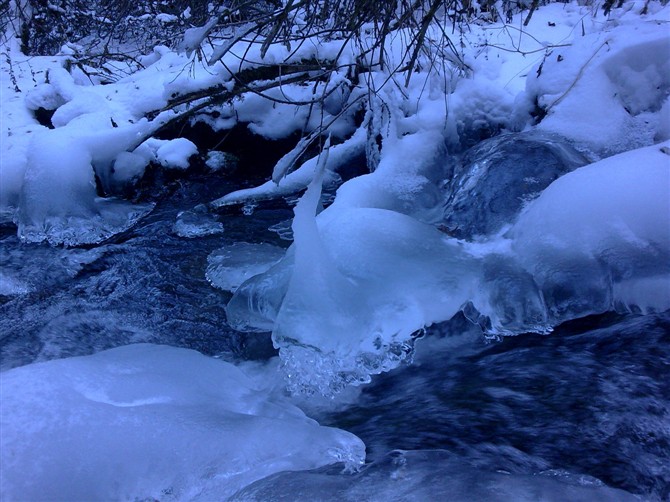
pixel 601 81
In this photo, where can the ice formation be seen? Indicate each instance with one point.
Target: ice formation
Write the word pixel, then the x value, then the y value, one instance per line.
pixel 196 223
pixel 428 475
pixel 58 200
pixel 229 266
pixel 358 282
pixel 152 422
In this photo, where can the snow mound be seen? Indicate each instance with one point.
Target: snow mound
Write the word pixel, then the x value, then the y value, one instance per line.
pixel 357 284
pixel 149 422
pixel 58 201
pixel 599 231
pixel 607 87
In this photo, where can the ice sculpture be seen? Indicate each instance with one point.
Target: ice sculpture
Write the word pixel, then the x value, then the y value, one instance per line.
pixel 150 422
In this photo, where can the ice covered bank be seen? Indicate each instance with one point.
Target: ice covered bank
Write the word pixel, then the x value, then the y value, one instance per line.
pixel 359 282
pixel 150 422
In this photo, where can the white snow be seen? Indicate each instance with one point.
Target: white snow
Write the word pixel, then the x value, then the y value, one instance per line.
pixel 606 88
pixel 129 166
pixel 604 83
pixel 58 200
pixel 175 153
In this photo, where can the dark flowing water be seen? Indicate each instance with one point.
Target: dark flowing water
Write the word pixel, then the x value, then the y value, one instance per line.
pixel 591 399
pixel 145 285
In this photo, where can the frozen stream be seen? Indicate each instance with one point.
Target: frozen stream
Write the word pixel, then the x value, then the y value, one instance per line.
pixel 529 416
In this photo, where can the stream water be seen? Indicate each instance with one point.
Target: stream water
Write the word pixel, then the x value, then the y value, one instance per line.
pixel 589 403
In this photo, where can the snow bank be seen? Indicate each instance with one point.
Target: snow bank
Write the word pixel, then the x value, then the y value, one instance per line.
pixel 151 422
pixel 605 90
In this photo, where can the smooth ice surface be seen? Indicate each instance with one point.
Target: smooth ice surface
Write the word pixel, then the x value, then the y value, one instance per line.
pixel 196 223
pixel 230 266
pixel 404 476
pixel 365 279
pixel 151 422
pixel 495 179
pixel 602 225
pixel 256 302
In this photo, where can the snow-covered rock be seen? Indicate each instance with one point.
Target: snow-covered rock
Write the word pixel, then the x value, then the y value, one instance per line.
pixel 152 422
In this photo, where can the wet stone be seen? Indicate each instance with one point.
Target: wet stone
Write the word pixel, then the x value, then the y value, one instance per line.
pixel 495 179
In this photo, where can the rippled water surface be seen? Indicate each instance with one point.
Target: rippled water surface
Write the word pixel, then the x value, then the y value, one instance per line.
pixel 146 285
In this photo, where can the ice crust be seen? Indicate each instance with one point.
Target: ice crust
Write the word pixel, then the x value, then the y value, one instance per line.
pixel 151 422
pixel 229 266
pixel 404 476
pixel 358 282
pixel 196 223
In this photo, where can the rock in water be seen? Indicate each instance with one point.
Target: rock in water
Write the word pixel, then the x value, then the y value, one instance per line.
pixel 495 179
